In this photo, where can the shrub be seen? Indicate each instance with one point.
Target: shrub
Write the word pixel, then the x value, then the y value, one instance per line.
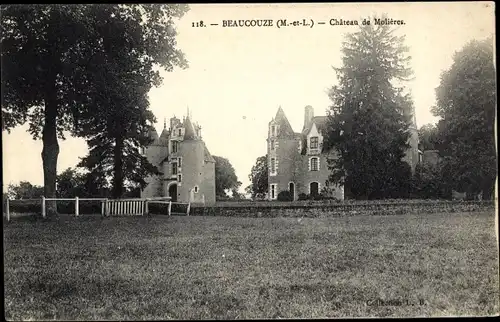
pixel 316 197
pixel 285 196
pixel 303 196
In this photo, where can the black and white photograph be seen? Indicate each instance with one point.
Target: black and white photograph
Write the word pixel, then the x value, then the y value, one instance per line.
pixel 249 161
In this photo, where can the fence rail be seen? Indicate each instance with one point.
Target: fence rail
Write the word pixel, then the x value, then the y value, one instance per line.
pixel 109 207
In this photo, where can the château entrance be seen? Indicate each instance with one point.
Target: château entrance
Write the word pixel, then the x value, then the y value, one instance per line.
pixel 172 192
pixel 314 189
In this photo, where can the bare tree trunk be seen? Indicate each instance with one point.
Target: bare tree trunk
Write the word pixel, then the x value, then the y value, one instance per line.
pixel 118 169
pixel 50 150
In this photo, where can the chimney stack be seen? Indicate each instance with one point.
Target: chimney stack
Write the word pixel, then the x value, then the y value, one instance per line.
pixel 308 116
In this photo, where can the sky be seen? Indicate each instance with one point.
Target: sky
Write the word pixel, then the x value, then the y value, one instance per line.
pixel 239 76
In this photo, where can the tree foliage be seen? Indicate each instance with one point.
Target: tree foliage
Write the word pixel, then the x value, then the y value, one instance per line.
pixel 24 190
pixel 466 101
pixel 259 178
pixel 61 65
pixel 428 137
pixel 430 181
pixel 368 124
pixel 225 177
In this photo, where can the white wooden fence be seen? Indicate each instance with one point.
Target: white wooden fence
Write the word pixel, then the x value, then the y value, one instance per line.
pixel 112 207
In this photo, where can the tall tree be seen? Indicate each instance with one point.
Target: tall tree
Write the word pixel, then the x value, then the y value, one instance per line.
pixel 259 178
pixel 370 116
pixel 225 177
pixel 51 55
pixel 466 99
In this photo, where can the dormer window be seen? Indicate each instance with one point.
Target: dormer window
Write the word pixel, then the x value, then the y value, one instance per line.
pixel 195 189
pixel 314 142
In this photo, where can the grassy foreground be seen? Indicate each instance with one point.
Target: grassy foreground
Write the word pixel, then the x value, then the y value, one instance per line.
pixel 221 267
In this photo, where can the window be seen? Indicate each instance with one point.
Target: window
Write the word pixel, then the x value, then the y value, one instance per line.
pixel 273 191
pixel 273 165
pixel 175 146
pixel 174 168
pixel 179 162
pixel 180 132
pixel 179 178
pixel 314 164
pixel 196 189
pixel 314 142
pixel 272 145
pixel 273 130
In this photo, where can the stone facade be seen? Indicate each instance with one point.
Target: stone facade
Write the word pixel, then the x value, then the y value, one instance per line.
pixel 298 161
pixel 188 168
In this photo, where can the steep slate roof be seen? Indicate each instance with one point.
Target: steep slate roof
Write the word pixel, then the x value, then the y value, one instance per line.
pixel 208 157
pixel 285 129
pixel 163 140
pixel 320 121
pixel 189 133
pixel 152 133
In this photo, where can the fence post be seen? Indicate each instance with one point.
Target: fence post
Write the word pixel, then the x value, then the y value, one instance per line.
pixel 102 208
pixel 7 209
pixel 76 207
pixel 169 207
pixel 189 206
pixel 146 207
pixel 43 206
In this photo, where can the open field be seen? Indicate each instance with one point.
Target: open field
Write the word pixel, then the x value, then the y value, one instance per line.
pixel 177 267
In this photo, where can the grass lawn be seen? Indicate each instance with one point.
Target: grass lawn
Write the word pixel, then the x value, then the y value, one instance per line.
pixel 222 267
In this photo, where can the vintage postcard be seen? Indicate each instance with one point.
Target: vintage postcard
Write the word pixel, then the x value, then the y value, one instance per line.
pixel 249 161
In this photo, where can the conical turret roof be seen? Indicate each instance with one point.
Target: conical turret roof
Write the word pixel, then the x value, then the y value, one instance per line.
pixel 282 121
pixel 152 133
pixel 189 133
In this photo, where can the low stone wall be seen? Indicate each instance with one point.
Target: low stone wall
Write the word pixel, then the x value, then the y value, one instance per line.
pixel 331 210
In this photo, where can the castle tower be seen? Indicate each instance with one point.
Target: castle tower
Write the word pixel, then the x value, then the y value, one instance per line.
pixel 188 169
pixel 197 184
pixel 282 151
